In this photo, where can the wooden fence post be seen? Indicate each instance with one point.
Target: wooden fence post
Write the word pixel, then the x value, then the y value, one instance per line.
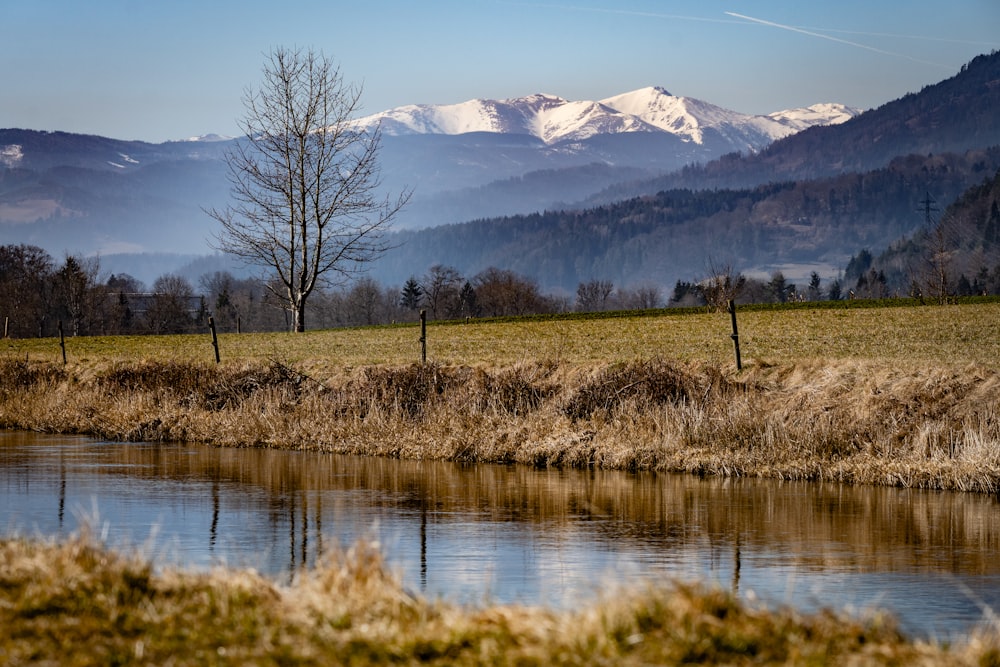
pixel 736 335
pixel 215 339
pixel 62 342
pixel 423 336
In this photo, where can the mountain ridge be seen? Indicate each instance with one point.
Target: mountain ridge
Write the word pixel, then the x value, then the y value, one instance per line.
pixel 554 119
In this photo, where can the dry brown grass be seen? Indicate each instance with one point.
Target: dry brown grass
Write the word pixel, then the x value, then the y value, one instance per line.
pixel 77 604
pixel 845 421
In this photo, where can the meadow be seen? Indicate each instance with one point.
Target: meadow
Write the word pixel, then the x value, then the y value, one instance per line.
pixel 903 332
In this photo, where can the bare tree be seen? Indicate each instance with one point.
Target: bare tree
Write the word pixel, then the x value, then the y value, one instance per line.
pixel 442 289
pixel 593 296
pixel 305 181
pixel 642 297
pixel 501 292
pixel 25 282
pixel 364 301
pixel 722 285
pixel 942 244
pixel 172 309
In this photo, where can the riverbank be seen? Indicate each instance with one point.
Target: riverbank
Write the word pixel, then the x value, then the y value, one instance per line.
pixel 843 421
pixel 77 603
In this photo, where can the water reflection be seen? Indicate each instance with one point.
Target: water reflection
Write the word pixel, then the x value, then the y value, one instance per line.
pixel 516 534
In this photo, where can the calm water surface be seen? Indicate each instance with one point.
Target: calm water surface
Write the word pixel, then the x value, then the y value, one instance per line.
pixel 513 534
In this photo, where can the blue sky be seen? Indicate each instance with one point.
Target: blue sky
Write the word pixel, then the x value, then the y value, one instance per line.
pixel 156 71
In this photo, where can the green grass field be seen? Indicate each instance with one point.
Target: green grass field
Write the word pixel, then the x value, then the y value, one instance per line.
pixel 951 335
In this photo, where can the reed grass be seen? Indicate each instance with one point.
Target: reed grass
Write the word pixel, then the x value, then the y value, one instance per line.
pixel 843 421
pixel 76 603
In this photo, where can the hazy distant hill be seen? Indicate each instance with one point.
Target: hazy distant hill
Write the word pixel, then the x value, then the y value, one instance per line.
pixel 794 227
pixel 960 246
pixel 87 194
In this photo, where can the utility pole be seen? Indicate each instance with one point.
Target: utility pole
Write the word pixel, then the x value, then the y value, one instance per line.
pixel 928 207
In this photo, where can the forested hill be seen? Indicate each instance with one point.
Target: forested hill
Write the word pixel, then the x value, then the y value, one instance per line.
pixel 955 115
pixel 958 254
pixel 678 234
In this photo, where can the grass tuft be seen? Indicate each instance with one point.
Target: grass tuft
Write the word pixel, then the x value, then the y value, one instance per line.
pixel 645 384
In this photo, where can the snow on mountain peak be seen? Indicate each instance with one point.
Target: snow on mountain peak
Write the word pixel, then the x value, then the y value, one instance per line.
pixel 683 116
pixel 817 114
pixel 208 138
pixel 553 119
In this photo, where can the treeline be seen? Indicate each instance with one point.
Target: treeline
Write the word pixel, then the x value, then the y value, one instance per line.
pixel 38 295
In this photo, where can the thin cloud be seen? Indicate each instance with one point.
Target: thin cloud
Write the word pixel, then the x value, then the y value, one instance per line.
pixel 811 33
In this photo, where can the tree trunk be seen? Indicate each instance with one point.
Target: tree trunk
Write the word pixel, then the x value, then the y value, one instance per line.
pixel 299 319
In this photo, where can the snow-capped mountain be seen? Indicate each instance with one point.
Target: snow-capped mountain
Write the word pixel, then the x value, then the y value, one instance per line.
pixel 554 120
pixel 205 138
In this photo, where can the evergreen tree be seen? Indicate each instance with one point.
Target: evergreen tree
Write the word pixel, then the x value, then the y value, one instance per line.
pixel 857 265
pixel 836 291
pixel 778 287
pixel 815 293
pixel 467 299
pixel 412 294
pixel 72 291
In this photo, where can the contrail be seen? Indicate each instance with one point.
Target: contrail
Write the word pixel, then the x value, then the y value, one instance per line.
pixel 923 38
pixel 622 12
pixel 834 39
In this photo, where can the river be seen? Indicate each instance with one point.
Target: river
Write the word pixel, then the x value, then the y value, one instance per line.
pixel 510 534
